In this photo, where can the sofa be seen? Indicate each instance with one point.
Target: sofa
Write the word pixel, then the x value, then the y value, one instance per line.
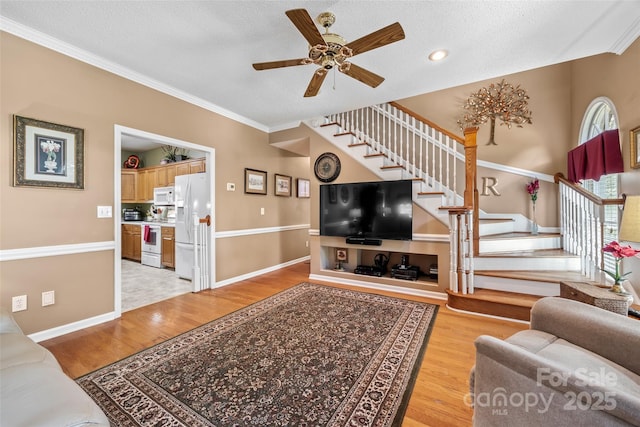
pixel 34 391
pixel 576 365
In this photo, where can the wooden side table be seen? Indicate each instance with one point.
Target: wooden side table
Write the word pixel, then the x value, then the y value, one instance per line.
pixel 592 294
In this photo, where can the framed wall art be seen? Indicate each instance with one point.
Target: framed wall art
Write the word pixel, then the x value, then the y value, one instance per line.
pixel 47 154
pixel 302 186
pixel 342 255
pixel 255 181
pixel 634 141
pixel 283 185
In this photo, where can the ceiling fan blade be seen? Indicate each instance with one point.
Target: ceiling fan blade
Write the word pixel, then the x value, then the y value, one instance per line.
pixel 365 76
pixel 304 24
pixel 315 83
pixel 279 64
pixel 384 36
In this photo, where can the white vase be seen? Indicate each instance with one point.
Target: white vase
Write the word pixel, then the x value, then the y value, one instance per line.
pixel 51 165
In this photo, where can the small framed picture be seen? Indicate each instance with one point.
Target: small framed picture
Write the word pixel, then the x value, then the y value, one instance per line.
pixel 47 154
pixel 255 181
pixel 303 187
pixel 342 255
pixel 634 142
pixel 283 185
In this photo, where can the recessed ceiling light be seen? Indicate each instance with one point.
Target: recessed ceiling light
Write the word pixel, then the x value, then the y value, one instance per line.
pixel 438 55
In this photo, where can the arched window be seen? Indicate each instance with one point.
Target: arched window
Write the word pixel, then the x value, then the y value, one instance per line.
pixel 600 116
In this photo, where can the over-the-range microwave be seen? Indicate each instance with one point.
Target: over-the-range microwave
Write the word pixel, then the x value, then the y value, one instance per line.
pixel 163 196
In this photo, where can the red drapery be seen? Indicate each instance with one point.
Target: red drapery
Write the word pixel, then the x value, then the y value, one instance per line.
pixel 598 156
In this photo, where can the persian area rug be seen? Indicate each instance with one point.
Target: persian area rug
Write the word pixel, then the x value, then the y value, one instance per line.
pixel 309 356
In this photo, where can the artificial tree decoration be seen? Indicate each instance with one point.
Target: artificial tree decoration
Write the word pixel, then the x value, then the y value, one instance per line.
pixel 500 100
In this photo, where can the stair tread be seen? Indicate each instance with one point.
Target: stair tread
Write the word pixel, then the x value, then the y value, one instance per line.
pixel 501 297
pixel 535 275
pixel 519 235
pixel 529 253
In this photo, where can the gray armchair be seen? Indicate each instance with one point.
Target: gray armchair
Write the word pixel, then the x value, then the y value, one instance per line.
pixel 576 365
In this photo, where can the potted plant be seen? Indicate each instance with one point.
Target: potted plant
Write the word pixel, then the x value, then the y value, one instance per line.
pixel 173 154
pixel 169 154
pixel 180 154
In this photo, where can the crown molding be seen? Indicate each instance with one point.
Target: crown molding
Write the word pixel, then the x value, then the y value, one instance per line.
pixel 71 51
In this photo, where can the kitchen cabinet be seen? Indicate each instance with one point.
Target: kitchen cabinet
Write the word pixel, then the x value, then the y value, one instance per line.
pixel 171 174
pixel 132 242
pixel 151 183
pixel 182 168
pixel 128 181
pixel 162 179
pixel 168 247
pixel 141 185
pixel 137 184
pixel 196 166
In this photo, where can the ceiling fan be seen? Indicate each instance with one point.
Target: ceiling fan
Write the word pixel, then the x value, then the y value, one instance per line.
pixel 330 50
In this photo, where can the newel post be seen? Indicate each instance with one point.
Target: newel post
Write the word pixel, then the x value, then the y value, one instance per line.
pixel 471 197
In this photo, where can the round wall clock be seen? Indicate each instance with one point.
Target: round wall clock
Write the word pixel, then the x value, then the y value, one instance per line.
pixel 327 167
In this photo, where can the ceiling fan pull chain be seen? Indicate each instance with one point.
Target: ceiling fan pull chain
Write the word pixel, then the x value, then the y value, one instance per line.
pixel 334 78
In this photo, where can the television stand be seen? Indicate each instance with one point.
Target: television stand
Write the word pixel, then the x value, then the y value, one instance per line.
pixel 364 241
pixel 359 259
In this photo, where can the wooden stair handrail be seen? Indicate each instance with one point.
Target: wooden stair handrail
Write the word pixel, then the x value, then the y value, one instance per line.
pixel 559 178
pixel 471 197
pixel 427 122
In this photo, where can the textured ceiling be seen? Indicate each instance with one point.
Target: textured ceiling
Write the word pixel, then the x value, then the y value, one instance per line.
pixel 202 51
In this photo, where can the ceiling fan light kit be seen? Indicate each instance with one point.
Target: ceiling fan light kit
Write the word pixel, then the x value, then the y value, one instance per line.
pixel 331 51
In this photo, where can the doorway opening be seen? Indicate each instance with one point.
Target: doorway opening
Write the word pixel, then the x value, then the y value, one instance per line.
pixel 151 284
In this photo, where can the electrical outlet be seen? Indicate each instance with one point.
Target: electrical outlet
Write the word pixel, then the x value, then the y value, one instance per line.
pixel 19 303
pixel 261 211
pixel 104 212
pixel 48 298
pixel 306 243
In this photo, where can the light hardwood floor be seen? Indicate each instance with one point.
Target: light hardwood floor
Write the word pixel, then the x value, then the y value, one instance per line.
pixel 439 391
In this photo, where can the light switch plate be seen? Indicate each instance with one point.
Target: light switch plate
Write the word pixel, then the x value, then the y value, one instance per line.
pixel 48 298
pixel 231 186
pixel 104 212
pixel 19 303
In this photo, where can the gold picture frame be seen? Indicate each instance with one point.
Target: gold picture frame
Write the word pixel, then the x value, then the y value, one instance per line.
pixel 47 154
pixel 634 142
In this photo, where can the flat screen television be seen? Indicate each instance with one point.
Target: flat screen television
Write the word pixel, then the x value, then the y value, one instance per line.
pixel 370 210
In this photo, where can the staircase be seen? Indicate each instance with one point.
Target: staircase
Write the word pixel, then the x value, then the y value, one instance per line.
pixel 511 269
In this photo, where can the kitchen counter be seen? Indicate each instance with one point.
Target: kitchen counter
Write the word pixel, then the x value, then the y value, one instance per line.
pixel 160 223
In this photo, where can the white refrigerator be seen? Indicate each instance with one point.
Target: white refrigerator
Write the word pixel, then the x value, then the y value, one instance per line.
pixel 191 194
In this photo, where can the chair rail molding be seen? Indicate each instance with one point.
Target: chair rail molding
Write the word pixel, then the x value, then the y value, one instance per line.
pixel 57 250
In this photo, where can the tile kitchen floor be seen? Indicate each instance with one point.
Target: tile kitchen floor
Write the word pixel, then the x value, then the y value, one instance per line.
pixel 143 285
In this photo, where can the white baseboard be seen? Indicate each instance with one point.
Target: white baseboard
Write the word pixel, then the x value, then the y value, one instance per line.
pixel 252 274
pixel 72 327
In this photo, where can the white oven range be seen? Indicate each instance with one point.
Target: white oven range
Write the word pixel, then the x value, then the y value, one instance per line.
pixel 151 245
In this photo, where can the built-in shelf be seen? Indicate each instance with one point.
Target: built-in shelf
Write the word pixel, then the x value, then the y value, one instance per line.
pixel 423 254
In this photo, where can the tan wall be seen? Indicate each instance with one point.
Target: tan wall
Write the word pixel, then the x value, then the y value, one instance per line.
pixel 39 83
pixel 350 171
pixel 617 78
pixel 540 147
